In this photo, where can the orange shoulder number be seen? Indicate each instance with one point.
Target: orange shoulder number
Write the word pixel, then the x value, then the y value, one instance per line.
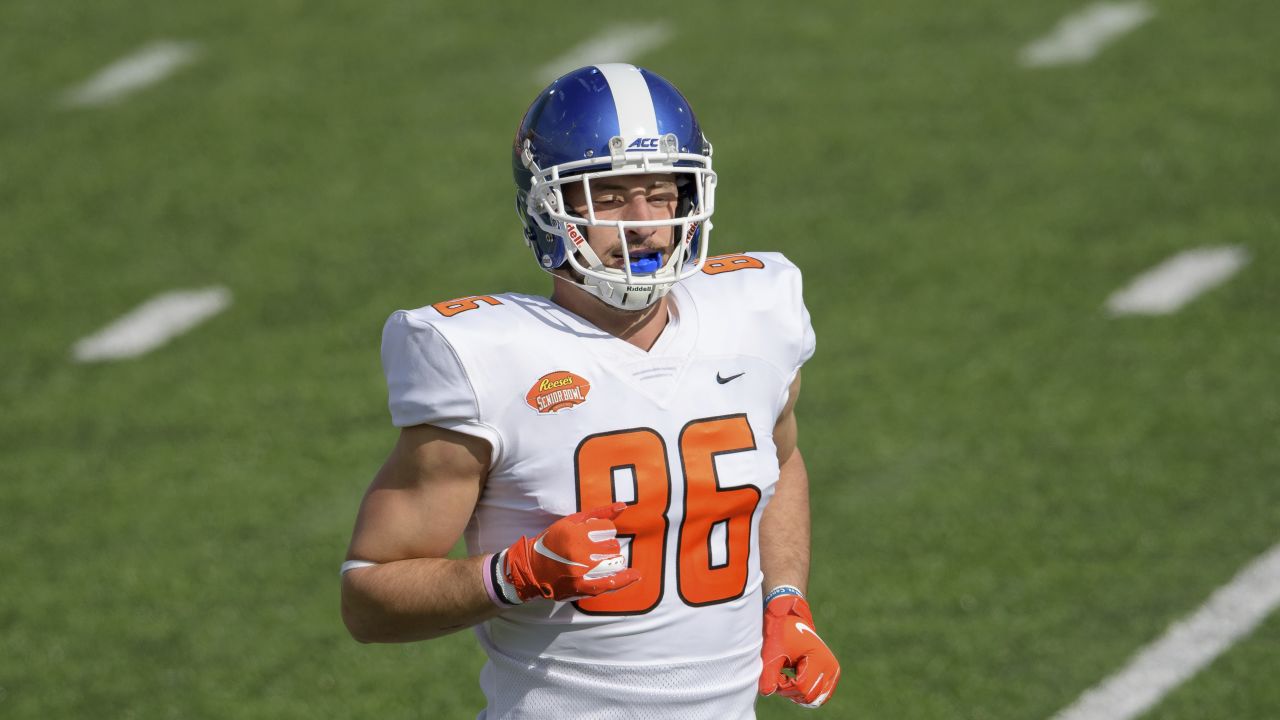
pixel 449 308
pixel 729 263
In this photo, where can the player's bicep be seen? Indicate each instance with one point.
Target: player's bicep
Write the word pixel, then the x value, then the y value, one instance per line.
pixel 422 498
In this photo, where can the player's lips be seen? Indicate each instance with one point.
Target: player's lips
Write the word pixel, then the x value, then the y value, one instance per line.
pixel 617 259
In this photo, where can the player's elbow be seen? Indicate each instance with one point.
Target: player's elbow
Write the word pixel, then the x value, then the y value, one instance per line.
pixel 372 616
pixel 369 621
pixel 359 617
pixel 366 628
pixel 358 625
pixel 369 627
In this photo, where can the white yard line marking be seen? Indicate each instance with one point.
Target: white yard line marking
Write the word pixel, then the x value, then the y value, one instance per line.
pixel 1232 612
pixel 1165 288
pixel 149 65
pixel 1080 36
pixel 619 43
pixel 152 324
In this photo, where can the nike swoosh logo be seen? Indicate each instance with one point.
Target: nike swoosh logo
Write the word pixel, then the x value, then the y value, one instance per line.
pixel 545 551
pixel 723 380
pixel 806 629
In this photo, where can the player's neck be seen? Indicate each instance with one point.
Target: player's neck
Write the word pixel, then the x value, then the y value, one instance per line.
pixel 638 328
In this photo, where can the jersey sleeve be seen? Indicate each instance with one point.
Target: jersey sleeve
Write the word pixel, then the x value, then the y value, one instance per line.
pixel 795 330
pixel 427 382
pixel 808 340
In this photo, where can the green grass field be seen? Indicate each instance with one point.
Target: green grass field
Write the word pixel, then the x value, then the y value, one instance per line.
pixel 1013 491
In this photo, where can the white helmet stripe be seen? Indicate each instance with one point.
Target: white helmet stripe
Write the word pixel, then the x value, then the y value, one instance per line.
pixel 636 117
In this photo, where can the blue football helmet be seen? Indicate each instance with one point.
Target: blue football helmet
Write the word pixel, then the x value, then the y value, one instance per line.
pixel 604 121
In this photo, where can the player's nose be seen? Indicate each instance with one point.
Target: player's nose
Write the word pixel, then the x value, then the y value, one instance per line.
pixel 639 212
pixel 638 207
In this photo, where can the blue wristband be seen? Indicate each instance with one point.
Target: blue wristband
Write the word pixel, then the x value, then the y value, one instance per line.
pixel 780 591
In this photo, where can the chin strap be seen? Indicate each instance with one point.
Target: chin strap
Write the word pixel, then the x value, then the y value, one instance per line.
pixel 609 291
pixel 630 301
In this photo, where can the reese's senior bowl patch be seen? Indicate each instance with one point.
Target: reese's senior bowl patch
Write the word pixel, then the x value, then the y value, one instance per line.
pixel 557 391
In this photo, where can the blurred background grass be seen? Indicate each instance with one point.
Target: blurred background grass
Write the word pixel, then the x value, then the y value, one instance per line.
pixel 1013 491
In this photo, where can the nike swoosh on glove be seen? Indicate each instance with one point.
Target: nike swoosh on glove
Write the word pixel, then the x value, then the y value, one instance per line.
pixel 578 556
pixel 791 642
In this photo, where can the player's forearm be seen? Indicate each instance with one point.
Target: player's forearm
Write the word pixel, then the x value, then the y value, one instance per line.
pixel 417 599
pixel 784 528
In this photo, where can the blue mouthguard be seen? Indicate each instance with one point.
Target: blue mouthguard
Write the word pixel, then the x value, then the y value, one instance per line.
pixel 647 263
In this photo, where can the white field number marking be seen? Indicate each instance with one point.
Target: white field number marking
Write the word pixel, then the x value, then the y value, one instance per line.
pixel 619 43
pixel 152 324
pixel 1079 37
pixel 1232 612
pixel 148 66
pixel 1165 288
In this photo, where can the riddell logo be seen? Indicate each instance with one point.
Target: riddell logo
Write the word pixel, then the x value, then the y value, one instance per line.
pixel 557 391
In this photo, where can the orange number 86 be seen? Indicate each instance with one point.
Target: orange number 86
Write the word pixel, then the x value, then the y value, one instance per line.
pixel 709 510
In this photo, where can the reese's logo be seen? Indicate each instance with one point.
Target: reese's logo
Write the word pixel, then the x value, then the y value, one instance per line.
pixel 557 391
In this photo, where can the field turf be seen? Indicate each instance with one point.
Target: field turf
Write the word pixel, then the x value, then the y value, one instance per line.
pixel 1013 491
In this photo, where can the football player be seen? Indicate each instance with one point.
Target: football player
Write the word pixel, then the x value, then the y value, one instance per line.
pixel 620 456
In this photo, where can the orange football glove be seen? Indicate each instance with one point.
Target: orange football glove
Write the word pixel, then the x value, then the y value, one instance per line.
pixel 791 642
pixel 577 557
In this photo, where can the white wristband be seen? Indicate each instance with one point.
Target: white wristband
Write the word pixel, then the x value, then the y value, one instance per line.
pixel 782 590
pixel 350 565
pixel 503 589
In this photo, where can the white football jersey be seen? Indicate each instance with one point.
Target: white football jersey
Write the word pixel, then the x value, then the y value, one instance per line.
pixel 577 419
